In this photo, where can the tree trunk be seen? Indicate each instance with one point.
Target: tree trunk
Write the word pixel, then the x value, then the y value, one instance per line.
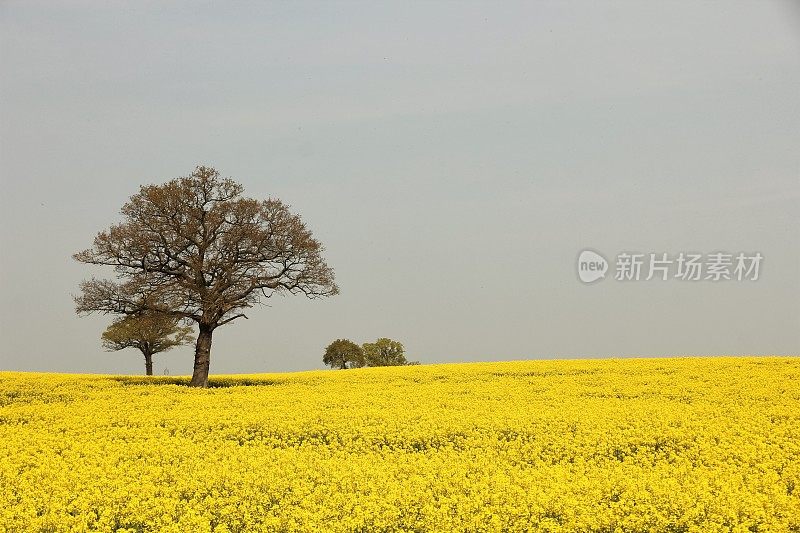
pixel 148 363
pixel 202 357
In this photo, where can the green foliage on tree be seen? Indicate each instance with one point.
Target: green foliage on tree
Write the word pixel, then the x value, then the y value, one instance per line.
pixel 343 353
pixel 150 333
pixel 384 352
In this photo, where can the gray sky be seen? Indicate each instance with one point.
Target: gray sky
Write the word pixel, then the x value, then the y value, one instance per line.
pixel 454 158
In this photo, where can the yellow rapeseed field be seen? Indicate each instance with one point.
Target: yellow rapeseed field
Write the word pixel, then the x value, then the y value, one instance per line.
pixel 672 445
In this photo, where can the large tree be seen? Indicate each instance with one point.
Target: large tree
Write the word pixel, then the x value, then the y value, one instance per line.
pixel 150 333
pixel 343 352
pixel 384 352
pixel 195 249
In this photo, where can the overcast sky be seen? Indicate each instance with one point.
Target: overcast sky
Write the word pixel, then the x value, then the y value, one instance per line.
pixel 454 159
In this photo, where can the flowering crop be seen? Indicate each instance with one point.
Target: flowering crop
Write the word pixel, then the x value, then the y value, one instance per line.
pixel 683 444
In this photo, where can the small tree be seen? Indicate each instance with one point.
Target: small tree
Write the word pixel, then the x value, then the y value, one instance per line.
pixel 384 352
pixel 342 352
pixel 150 333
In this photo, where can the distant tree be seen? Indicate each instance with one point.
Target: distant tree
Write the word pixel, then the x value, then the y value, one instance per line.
pixel 384 352
pixel 150 333
pixel 342 352
pixel 195 249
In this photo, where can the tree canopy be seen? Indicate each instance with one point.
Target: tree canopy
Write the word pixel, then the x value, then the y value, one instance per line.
pixel 343 352
pixel 384 352
pixel 194 248
pixel 151 333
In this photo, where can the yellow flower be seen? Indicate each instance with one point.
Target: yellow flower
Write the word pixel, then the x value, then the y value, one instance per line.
pixel 684 444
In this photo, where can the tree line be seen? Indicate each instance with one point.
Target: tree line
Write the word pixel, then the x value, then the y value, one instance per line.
pixel 344 353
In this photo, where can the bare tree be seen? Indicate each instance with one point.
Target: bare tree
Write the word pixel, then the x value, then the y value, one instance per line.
pixel 195 249
pixel 150 333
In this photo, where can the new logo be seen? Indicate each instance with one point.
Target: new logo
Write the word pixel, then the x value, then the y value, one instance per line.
pixel 591 266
